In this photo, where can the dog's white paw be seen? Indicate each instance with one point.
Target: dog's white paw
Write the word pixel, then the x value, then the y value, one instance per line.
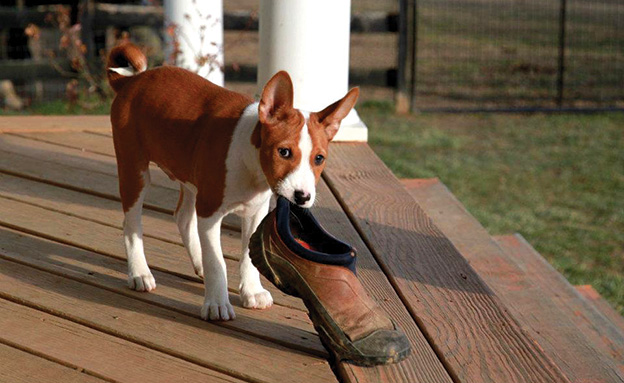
pixel 144 282
pixel 215 311
pixel 259 299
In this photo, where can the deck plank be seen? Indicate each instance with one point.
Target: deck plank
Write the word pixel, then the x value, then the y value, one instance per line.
pixel 591 295
pixel 422 365
pixel 83 349
pixel 80 179
pixel 54 123
pixel 157 225
pixel 178 335
pixel 13 368
pixel 80 170
pixel 578 357
pixel 74 231
pixel 288 327
pixel 75 156
pixel 591 322
pixel 81 140
pixel 471 329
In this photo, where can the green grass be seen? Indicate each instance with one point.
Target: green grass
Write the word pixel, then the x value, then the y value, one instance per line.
pixel 506 52
pixel 556 179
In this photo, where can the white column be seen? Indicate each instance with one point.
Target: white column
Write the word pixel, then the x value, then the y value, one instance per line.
pixel 310 40
pixel 199 31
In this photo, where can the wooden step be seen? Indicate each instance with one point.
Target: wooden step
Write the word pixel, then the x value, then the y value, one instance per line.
pixel 39 369
pixel 68 164
pixel 170 332
pixel 588 292
pixel 470 328
pixel 70 352
pixel 588 319
pixel 533 305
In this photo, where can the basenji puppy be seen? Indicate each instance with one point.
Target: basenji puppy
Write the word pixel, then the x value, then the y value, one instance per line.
pixel 227 152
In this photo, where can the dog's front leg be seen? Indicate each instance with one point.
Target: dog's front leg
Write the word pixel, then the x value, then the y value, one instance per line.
pixel 252 293
pixel 216 300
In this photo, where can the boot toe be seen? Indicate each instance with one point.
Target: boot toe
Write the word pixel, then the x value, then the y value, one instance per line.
pixel 383 346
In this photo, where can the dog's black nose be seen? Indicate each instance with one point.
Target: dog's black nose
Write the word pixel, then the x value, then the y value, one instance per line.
pixel 301 197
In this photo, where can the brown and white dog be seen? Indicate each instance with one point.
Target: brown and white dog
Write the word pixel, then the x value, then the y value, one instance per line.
pixel 228 154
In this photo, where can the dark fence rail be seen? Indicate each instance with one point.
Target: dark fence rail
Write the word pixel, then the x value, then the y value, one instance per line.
pixel 123 15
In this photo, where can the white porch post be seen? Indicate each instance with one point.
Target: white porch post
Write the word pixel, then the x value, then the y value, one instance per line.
pixel 192 21
pixel 310 40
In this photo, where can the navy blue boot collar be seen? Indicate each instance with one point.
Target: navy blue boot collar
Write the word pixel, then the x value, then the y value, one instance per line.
pixel 327 249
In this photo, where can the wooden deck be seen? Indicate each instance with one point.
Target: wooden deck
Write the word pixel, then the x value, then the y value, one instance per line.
pixel 476 308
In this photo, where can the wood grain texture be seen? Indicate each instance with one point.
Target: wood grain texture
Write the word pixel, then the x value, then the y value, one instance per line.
pixel 591 322
pixel 591 295
pixel 17 366
pixel 157 226
pixel 422 365
pixel 288 327
pixel 77 348
pixel 54 123
pixel 162 256
pixel 470 328
pixel 192 339
pixel 84 141
pixel 78 169
pixel 578 357
pixel 75 157
pixel 80 179
pixel 87 206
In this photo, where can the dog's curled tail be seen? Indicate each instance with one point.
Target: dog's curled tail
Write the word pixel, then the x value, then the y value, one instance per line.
pixel 124 61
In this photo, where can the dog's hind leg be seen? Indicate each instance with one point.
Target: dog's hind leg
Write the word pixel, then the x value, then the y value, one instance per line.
pixel 186 218
pixel 133 185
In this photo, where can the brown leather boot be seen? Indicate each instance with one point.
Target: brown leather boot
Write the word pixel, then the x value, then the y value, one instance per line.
pixel 292 250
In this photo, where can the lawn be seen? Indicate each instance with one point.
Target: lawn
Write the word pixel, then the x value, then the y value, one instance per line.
pixel 558 179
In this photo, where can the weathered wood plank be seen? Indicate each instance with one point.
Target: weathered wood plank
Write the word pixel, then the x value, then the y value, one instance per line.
pixel 75 156
pixel 468 325
pixel 578 357
pixel 102 185
pixel 590 294
pixel 163 256
pixel 83 349
pixel 21 367
pixel 53 123
pixel 592 323
pixel 192 339
pixel 84 141
pixel 157 225
pixel 162 196
pixel 422 365
pixel 286 326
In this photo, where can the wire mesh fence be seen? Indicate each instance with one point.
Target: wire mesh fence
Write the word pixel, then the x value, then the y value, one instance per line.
pixel 492 54
pixel 453 55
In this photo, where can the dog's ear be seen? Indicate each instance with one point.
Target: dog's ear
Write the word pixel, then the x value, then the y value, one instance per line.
pixel 277 97
pixel 331 116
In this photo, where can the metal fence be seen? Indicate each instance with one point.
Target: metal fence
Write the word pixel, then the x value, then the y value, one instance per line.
pixel 511 54
pixel 453 55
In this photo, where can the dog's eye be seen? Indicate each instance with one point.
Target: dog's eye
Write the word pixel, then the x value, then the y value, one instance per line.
pixel 284 152
pixel 318 159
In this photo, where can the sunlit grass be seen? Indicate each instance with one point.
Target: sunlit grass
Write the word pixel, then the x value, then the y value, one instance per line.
pixel 557 179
